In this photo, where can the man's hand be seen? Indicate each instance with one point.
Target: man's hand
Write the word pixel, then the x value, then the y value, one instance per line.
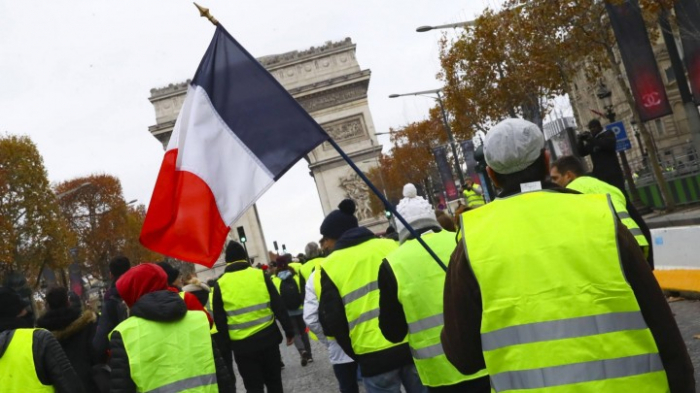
pixel 585 135
pixel 290 340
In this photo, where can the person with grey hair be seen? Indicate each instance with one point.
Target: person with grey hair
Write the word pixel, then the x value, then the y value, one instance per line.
pixel 410 293
pixel 549 291
pixel 314 256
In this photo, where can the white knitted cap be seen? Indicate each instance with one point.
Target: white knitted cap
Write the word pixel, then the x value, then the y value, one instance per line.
pixel 416 210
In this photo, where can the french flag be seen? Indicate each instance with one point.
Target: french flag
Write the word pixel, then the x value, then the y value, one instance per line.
pixel 238 132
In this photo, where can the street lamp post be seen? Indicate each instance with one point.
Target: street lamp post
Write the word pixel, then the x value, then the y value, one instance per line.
pixel 605 96
pixel 445 122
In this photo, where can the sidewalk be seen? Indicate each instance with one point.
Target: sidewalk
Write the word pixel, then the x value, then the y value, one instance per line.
pixel 683 216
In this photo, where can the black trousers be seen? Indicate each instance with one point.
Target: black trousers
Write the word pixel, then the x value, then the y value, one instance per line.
pixel 261 369
pixel 346 374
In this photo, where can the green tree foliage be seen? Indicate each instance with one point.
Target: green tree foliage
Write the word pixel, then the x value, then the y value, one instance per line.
pixel 33 233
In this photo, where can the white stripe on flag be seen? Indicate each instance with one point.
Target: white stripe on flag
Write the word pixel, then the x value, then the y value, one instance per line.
pixel 211 151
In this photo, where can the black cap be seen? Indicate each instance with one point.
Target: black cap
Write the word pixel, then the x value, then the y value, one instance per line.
pixel 11 304
pixel 235 252
pixel 340 221
pixel 172 273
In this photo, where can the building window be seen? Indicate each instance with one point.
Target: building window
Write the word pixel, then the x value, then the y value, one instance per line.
pixel 659 124
pixel 670 75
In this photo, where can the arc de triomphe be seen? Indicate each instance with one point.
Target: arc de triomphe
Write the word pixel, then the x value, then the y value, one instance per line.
pixel 329 83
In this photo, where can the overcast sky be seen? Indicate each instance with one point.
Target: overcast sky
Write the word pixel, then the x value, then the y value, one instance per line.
pixel 76 77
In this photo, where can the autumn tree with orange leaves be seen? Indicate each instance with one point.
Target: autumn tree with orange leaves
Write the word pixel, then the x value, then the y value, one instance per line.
pixel 97 214
pixel 33 233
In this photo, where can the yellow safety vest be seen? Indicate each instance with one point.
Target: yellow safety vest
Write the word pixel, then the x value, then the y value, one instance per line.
pixel 354 272
pixel 210 309
pixel 17 369
pixel 157 362
pixel 311 265
pixel 420 285
pixel 471 198
pixel 558 314
pixel 591 185
pixel 246 302
pixel 296 266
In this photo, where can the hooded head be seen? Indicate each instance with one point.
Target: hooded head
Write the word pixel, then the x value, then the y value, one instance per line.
pixel 235 252
pixel 416 211
pixel 340 221
pixel 11 304
pixel 57 298
pixel 140 280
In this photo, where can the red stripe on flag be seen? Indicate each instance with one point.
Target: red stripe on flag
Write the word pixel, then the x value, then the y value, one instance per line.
pixel 183 220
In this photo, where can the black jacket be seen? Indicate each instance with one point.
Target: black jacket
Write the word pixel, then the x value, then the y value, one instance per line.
pixel 264 338
pixel 331 313
pixel 74 330
pixel 113 312
pixel 50 362
pixel 602 149
pixel 161 306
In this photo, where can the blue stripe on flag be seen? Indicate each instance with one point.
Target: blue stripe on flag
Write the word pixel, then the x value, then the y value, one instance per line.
pixel 262 114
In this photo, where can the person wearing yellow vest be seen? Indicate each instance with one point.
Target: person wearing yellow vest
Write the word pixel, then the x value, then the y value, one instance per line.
pixel 410 297
pixel 31 360
pixel 569 172
pixel 550 292
pixel 473 194
pixel 162 346
pixel 349 304
pixel 313 258
pixel 291 287
pixel 246 305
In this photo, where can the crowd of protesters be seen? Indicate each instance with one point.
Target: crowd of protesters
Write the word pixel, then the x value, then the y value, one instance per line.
pixel 547 288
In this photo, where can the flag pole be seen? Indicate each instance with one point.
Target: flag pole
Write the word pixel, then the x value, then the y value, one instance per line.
pixel 204 12
pixel 386 203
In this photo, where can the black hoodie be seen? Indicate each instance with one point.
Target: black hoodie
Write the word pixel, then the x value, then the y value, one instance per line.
pixel 74 330
pixel 162 306
pixel 50 362
pixel 334 321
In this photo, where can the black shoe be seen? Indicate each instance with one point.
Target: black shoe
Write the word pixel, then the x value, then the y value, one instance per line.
pixel 310 359
pixel 304 359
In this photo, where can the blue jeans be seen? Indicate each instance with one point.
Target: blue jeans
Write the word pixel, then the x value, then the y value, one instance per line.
pixel 390 382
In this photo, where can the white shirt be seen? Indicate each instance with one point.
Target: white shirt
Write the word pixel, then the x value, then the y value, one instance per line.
pixel 335 352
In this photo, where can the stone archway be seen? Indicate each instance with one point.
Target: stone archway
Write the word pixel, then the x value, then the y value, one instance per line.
pixel 329 83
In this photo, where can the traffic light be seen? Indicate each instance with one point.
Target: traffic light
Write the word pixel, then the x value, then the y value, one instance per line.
pixel 387 213
pixel 275 244
pixel 241 234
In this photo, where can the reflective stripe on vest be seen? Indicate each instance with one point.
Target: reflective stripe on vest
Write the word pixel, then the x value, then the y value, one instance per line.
pixel 420 291
pixel 17 369
pixel 246 302
pixel 546 324
pixel 472 199
pixel 210 310
pixel 591 185
pixel 156 361
pixel 354 268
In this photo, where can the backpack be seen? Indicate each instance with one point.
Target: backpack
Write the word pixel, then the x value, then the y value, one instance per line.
pixel 291 296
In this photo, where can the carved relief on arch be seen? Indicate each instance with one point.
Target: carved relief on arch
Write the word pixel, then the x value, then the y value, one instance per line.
pixel 356 189
pixel 345 129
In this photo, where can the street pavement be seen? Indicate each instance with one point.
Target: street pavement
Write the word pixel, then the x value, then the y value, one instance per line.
pixel 317 377
pixel 687 313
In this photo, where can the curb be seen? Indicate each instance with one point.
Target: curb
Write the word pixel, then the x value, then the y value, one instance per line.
pixel 672 223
